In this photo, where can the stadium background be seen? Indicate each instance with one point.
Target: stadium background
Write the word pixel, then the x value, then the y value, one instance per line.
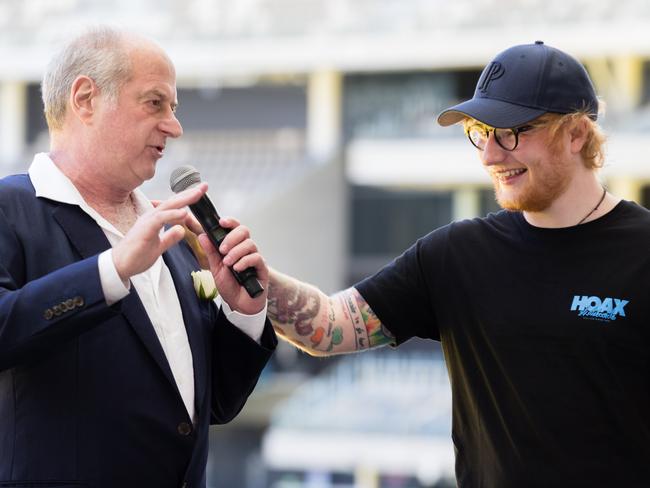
pixel 314 123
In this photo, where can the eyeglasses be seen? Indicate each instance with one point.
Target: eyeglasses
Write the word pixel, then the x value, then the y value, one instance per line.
pixel 508 139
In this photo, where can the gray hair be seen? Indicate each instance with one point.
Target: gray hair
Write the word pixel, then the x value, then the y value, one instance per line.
pixel 101 54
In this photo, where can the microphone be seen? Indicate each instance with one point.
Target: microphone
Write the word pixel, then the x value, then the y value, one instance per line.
pixel 185 177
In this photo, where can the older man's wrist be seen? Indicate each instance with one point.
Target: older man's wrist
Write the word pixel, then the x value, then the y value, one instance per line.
pixel 113 286
pixel 251 325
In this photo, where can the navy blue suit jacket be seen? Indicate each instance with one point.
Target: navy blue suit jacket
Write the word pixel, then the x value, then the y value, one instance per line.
pixel 87 397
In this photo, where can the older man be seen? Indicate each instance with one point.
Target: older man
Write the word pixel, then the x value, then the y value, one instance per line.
pixel 541 309
pixel 111 367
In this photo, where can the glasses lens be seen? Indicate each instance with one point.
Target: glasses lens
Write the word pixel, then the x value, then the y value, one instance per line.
pixel 507 138
pixel 477 136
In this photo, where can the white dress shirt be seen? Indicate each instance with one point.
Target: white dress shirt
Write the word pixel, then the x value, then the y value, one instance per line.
pixel 155 286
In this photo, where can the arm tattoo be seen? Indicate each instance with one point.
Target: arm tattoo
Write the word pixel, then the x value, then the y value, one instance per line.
pixel 290 304
pixel 360 334
pixel 294 310
pixel 314 322
pixel 334 333
pixel 377 334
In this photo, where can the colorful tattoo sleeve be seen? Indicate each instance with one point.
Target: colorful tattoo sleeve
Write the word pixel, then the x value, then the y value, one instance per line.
pixel 376 333
pixel 313 322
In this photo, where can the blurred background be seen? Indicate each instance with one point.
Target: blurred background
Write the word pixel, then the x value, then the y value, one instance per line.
pixel 314 123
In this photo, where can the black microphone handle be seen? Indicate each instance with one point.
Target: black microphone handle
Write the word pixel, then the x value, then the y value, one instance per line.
pixel 208 217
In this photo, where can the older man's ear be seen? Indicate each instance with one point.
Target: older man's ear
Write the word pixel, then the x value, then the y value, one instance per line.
pixel 82 98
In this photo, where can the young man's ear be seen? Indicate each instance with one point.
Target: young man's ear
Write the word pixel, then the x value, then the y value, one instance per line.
pixel 82 95
pixel 578 133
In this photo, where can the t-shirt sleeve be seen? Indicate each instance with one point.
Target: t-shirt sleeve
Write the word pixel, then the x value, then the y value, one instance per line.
pixel 403 293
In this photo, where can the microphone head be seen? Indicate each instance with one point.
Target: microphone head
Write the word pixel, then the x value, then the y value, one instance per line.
pixel 183 178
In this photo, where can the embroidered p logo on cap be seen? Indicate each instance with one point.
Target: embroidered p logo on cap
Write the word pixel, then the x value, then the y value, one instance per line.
pixel 493 72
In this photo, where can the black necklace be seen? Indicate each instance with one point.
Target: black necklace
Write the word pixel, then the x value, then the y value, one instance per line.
pixel 595 208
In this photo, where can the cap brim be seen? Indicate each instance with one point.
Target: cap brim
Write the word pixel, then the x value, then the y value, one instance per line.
pixel 494 113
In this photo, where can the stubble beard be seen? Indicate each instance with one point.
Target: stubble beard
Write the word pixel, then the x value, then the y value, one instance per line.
pixel 539 193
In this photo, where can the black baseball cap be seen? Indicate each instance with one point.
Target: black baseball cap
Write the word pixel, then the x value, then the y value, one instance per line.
pixel 524 82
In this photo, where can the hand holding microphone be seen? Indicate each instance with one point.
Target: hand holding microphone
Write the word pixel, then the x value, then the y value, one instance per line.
pixel 185 177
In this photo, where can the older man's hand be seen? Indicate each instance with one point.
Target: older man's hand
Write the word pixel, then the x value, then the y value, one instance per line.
pixel 237 251
pixel 145 242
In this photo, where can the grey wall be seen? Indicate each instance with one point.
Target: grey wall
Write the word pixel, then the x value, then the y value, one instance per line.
pixel 302 232
pixel 252 107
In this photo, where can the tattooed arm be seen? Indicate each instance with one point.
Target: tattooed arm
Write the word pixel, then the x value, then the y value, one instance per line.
pixel 322 325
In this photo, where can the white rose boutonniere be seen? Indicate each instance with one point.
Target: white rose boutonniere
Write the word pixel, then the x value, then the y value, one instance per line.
pixel 204 284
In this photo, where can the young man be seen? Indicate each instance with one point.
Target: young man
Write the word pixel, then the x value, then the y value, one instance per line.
pixel 541 309
pixel 111 367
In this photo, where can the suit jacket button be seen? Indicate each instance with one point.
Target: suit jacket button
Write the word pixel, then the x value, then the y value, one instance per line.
pixel 184 428
pixel 48 314
pixel 78 301
pixel 69 303
pixel 57 310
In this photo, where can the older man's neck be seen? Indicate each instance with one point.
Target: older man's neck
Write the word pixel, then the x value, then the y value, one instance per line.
pixel 111 202
pixel 96 187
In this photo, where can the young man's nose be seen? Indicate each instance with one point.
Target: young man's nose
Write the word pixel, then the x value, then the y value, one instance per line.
pixel 492 153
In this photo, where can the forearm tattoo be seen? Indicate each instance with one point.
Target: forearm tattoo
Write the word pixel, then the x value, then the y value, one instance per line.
pixel 310 320
pixel 349 305
pixel 294 310
pixel 291 305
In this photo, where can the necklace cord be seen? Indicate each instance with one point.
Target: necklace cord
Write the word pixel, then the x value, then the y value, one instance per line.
pixel 595 208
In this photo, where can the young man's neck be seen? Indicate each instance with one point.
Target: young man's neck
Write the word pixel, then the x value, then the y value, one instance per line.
pixel 584 200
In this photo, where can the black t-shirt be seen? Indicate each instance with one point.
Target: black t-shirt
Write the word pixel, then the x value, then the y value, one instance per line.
pixel 546 337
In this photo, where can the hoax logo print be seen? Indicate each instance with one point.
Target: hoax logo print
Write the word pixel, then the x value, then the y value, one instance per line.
pixel 595 308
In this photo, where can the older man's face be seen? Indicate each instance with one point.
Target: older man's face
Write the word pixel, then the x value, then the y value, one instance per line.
pixel 134 131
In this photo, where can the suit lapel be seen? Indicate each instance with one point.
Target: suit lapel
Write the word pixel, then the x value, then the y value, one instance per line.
pixel 82 231
pixel 88 239
pixel 180 268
